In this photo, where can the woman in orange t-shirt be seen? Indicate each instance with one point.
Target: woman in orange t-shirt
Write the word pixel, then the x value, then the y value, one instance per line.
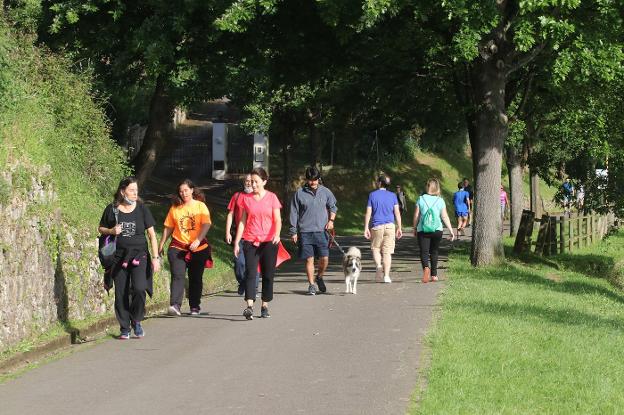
pixel 259 229
pixel 188 222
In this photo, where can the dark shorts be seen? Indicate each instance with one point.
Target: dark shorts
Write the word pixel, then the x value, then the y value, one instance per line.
pixel 461 214
pixel 313 244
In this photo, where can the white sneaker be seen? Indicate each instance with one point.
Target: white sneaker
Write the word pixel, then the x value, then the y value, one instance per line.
pixel 387 279
pixel 378 274
pixel 174 310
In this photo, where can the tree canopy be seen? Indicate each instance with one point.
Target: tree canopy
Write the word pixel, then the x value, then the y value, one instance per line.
pixel 542 75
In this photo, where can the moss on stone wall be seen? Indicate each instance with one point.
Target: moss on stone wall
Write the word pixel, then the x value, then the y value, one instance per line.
pixel 58 168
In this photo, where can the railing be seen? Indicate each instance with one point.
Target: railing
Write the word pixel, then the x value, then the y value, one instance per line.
pixel 559 234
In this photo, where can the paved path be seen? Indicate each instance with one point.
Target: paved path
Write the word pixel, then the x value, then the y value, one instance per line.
pixel 327 354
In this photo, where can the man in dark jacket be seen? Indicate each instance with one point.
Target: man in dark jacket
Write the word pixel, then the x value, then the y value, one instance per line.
pixel 312 213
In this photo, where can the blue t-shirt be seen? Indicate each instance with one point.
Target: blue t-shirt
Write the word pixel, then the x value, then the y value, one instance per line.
pixel 382 203
pixel 428 201
pixel 460 201
pixel 568 189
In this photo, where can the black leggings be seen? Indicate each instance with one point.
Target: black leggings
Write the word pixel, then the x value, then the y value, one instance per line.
pixel 130 286
pixel 195 274
pixel 266 255
pixel 429 244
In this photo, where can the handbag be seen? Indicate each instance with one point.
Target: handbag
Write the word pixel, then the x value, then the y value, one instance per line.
pixel 108 246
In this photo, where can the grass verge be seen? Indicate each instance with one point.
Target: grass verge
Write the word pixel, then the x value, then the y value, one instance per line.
pixel 530 336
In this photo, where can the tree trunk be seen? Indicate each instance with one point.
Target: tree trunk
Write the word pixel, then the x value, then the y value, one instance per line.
pixel 514 166
pixel 288 139
pixel 490 132
pixel 316 148
pixel 314 137
pixel 531 137
pixel 536 206
pixel 160 116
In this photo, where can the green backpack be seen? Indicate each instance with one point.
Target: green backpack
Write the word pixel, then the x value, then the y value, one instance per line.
pixel 431 220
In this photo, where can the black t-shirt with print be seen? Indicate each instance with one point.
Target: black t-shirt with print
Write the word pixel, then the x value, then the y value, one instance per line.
pixel 133 225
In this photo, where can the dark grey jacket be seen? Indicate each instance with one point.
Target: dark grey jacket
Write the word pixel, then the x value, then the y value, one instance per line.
pixel 309 212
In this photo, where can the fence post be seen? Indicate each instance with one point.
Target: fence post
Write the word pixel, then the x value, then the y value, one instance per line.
pixel 553 236
pixel 562 242
pixel 591 228
pixel 542 236
pixel 571 235
pixel 525 231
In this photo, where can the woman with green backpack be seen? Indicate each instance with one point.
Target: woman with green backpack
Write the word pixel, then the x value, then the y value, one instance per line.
pixel 428 218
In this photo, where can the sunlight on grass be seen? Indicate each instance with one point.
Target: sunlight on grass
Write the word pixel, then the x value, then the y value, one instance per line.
pixel 533 336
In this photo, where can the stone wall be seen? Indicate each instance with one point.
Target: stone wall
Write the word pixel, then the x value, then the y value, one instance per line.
pixel 49 273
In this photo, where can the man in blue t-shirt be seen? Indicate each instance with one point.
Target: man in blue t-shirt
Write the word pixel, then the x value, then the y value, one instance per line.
pixel 461 200
pixel 468 188
pixel 382 210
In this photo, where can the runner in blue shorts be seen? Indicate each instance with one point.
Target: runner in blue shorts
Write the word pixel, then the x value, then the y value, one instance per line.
pixel 461 201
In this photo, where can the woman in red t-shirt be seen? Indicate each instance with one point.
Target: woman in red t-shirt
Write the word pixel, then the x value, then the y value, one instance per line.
pixel 259 228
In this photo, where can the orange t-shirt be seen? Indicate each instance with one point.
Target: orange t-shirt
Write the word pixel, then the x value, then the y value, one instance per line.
pixel 187 221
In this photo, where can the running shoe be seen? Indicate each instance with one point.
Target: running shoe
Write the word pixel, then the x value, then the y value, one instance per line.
pixel 387 279
pixel 321 284
pixel 138 329
pixel 248 313
pixel 264 312
pixel 312 289
pixel 174 310
pixel 125 335
pixel 194 311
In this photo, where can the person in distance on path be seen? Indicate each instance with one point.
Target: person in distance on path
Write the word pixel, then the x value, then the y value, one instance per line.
pixel 382 212
pixel 461 200
pixel 468 188
pixel 312 214
pixel 402 199
pixel 429 215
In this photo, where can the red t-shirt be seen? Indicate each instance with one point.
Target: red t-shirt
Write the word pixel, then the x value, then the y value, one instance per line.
pixel 259 226
pixel 235 205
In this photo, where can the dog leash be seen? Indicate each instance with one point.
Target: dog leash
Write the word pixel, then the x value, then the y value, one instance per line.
pixel 332 240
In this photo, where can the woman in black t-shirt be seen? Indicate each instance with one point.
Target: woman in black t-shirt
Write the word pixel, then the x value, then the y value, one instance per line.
pixel 128 219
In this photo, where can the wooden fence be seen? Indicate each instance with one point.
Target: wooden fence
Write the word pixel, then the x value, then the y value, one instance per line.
pixel 558 234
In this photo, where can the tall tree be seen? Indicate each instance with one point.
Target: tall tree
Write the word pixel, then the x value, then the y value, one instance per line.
pixel 484 46
pixel 170 47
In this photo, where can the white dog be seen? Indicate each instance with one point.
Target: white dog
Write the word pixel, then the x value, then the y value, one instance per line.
pixel 351 266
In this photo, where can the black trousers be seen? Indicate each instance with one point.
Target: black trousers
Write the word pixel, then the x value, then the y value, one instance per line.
pixel 130 286
pixel 178 267
pixel 429 244
pixel 266 255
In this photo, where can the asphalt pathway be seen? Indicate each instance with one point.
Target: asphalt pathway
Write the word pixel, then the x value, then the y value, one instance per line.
pixel 333 353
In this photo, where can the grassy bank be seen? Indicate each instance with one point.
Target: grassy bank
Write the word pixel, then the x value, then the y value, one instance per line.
pixel 538 336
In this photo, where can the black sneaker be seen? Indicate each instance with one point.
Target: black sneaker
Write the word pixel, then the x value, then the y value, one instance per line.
pixel 241 289
pixel 264 312
pixel 248 313
pixel 321 284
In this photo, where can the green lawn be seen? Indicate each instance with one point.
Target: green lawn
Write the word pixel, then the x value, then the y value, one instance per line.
pixel 533 336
